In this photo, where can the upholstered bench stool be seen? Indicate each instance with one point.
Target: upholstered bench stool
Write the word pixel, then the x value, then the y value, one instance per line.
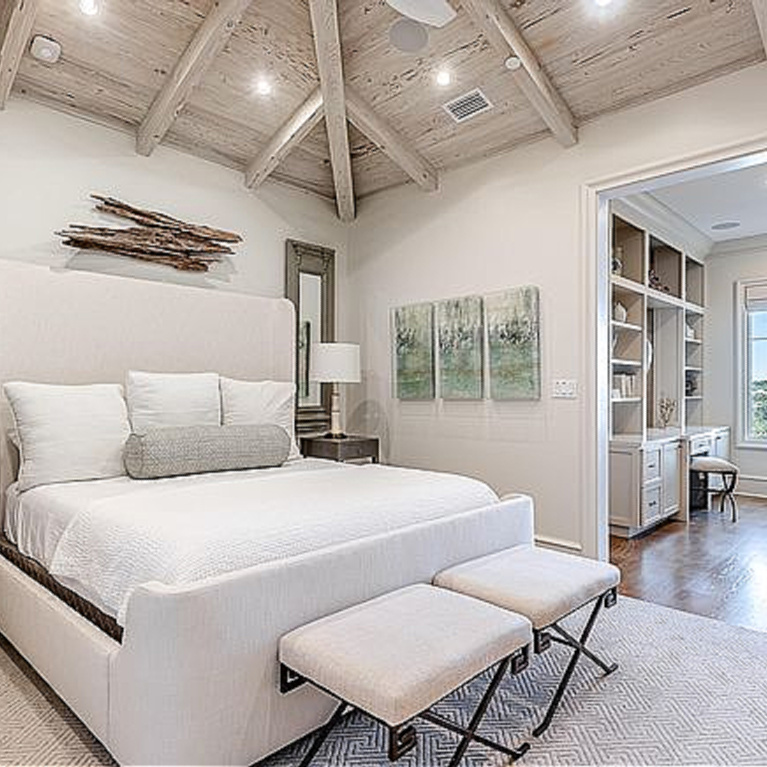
pixel 545 586
pixel 709 464
pixel 394 657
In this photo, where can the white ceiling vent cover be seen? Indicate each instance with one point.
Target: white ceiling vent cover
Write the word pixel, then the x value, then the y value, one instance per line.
pixel 467 106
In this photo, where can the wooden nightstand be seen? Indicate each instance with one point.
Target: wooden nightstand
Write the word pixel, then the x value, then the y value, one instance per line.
pixel 350 448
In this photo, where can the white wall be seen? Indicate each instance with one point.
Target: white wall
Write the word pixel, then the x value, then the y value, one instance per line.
pixel 728 264
pixel 512 220
pixel 51 162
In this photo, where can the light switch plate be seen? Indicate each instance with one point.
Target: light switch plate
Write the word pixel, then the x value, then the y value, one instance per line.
pixel 564 388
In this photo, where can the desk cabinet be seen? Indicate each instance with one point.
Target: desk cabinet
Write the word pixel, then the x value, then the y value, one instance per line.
pixel 645 485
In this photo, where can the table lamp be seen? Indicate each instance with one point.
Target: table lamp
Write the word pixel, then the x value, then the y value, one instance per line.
pixel 335 364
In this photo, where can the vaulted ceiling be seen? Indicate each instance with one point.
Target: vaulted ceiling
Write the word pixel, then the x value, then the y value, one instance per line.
pixel 182 73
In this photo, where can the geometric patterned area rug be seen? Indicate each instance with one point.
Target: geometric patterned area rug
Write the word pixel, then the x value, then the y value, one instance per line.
pixel 689 690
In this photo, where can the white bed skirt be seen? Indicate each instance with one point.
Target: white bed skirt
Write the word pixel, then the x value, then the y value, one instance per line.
pixel 195 679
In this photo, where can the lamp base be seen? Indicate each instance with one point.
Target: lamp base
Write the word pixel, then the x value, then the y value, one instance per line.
pixel 331 435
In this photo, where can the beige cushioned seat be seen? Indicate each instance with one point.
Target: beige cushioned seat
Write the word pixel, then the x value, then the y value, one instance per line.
pixel 543 585
pixel 710 463
pixel 395 656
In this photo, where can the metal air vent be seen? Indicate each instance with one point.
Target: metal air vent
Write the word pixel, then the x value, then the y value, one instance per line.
pixel 467 106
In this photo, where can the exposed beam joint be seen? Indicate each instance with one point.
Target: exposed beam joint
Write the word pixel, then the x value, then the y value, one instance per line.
pixel 503 35
pixel 760 9
pixel 16 20
pixel 327 44
pixel 296 128
pixel 390 142
pixel 207 43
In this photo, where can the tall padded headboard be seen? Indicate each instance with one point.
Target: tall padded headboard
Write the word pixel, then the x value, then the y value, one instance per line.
pixel 74 327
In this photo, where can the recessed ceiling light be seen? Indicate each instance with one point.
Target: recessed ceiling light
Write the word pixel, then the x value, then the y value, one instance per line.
pixel 89 7
pixel 443 77
pixel 603 3
pixel 263 87
pixel 723 226
pixel 513 63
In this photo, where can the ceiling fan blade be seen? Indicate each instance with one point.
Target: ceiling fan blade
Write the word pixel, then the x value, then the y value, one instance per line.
pixel 435 13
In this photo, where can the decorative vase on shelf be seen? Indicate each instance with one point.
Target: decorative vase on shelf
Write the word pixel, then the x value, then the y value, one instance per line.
pixel 666 410
pixel 617 261
pixel 620 313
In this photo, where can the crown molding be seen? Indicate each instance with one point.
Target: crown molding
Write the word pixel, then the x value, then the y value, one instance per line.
pixel 741 245
pixel 649 213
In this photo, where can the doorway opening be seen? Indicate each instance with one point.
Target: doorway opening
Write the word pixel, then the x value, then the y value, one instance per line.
pixel 681 377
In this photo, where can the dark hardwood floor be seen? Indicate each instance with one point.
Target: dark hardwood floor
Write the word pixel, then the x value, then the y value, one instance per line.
pixel 711 567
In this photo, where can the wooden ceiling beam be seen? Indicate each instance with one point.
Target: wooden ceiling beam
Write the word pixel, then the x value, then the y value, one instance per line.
pixel 295 129
pixel 502 33
pixel 327 44
pixel 16 20
pixel 760 10
pixel 391 142
pixel 207 43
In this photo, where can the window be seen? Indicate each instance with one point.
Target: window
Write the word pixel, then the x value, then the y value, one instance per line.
pixel 755 378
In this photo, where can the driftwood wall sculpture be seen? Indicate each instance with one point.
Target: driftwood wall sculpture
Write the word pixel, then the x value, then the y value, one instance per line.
pixel 159 238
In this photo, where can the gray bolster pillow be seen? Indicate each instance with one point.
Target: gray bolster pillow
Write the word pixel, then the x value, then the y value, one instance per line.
pixel 179 450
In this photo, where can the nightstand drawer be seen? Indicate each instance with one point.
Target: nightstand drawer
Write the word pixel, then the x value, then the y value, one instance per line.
pixel 351 448
pixel 356 449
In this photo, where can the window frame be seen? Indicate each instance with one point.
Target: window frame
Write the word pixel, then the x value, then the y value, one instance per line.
pixel 743 366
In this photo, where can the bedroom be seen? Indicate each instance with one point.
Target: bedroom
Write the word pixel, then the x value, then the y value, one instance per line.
pixel 510 211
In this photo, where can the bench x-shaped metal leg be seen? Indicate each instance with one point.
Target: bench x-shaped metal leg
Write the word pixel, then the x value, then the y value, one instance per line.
pixel 544 638
pixel 403 739
pixel 729 480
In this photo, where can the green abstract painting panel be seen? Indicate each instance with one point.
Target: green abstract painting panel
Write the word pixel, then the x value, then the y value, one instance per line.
pixel 461 341
pixel 414 352
pixel 513 329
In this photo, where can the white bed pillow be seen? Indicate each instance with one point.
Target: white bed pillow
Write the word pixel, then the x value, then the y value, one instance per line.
pixel 249 402
pixel 68 433
pixel 158 400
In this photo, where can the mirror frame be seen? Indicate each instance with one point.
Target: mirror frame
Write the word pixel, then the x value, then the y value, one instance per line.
pixel 306 258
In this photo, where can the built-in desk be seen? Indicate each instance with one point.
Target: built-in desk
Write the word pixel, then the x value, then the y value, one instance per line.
pixel 649 478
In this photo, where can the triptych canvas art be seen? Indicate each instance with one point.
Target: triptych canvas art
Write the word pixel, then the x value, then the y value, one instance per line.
pixel 497 335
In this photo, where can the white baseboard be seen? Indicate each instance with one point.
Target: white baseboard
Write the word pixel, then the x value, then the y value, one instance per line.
pixel 755 487
pixel 558 543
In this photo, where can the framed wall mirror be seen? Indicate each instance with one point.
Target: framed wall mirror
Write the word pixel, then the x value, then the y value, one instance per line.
pixel 310 285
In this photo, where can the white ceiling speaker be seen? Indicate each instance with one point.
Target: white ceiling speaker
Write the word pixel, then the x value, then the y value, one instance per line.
pixel 408 36
pixel 435 13
pixel 45 49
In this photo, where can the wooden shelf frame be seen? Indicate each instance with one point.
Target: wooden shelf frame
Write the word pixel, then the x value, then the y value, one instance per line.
pixel 657 317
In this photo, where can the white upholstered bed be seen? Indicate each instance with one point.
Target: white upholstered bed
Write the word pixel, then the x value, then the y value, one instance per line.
pixel 195 678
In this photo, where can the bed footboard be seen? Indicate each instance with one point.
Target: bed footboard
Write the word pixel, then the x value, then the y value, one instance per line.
pixel 195 681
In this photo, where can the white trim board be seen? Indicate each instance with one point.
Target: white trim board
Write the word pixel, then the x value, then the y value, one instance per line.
pixel 558 543
pixel 595 257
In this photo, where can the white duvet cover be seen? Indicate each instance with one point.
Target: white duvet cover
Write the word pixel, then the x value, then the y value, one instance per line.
pixel 103 543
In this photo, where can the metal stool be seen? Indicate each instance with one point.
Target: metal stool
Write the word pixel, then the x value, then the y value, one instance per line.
pixel 545 586
pixel 706 464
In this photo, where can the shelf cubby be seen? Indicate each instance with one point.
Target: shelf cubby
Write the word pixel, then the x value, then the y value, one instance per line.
pixel 694 284
pixel 665 266
pixel 628 251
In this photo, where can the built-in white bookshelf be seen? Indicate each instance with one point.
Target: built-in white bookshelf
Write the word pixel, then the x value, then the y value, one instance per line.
pixel 657 301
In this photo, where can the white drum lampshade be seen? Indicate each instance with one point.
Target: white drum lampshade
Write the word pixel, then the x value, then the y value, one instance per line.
pixel 335 364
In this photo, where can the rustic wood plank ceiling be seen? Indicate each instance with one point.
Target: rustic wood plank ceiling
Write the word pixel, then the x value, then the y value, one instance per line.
pixel 116 63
